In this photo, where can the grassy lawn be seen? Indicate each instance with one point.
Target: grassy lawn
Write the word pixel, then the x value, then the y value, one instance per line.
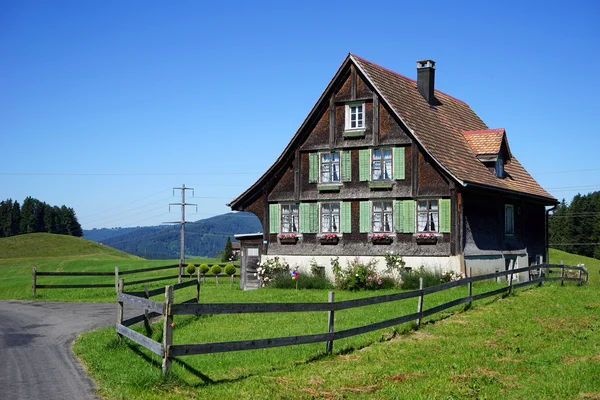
pixel 540 343
pixel 18 254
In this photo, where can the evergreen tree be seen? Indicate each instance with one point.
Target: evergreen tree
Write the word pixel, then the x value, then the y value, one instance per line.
pixel 227 251
pixel 15 218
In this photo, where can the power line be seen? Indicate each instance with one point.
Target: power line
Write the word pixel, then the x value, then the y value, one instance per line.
pixel 122 174
pixel 125 204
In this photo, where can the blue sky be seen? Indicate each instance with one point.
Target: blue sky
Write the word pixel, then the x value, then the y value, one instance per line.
pixel 105 106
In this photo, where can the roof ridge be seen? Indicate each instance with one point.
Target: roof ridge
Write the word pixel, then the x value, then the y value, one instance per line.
pixel 403 76
pixel 484 131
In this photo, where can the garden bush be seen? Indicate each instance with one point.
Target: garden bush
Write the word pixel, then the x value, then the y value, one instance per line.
pixel 305 281
pixel 216 270
pixel 359 276
pixel 204 268
pixel 190 269
pixel 230 269
pixel 410 279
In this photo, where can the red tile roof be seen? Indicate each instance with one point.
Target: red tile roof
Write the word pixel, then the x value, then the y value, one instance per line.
pixel 488 141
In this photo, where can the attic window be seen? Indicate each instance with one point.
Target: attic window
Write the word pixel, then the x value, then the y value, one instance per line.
pixel 355 116
pixel 500 166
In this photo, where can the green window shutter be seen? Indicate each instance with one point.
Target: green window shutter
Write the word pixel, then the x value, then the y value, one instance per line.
pixel 364 158
pixel 399 163
pixel 346 217
pixel 314 218
pixel 398 211
pixel 304 217
pixel 408 216
pixel 445 211
pixel 346 166
pixel 273 218
pixel 365 216
pixel 313 168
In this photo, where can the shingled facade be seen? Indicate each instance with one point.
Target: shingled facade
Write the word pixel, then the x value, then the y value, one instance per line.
pixel 387 163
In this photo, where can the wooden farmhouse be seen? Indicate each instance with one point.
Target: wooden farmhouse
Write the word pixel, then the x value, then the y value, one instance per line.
pixel 386 163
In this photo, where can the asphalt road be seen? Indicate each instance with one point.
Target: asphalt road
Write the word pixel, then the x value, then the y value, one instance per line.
pixel 36 361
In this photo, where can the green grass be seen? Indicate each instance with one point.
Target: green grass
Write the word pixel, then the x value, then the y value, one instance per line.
pixel 49 253
pixel 540 343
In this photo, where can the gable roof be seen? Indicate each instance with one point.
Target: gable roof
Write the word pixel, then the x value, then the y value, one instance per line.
pixel 438 129
pixel 487 141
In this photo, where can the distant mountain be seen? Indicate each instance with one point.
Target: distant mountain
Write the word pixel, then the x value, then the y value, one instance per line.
pixel 99 235
pixel 204 238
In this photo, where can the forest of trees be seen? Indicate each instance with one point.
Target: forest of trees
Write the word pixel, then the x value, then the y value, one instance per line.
pixel 575 227
pixel 36 216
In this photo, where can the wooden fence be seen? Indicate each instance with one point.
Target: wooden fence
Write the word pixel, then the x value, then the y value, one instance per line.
pixel 116 274
pixel 167 350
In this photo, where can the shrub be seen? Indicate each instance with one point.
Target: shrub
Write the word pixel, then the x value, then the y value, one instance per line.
pixel 410 280
pixel 358 276
pixel 305 281
pixel 204 268
pixel 190 269
pixel 270 269
pixel 216 270
pixel 230 269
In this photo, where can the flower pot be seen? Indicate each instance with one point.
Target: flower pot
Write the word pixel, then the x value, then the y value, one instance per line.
pixel 290 240
pixel 332 241
pixel 385 240
pixel 429 240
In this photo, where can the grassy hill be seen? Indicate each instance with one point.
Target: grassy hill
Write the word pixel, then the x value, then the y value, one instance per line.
pixel 56 253
pixel 35 245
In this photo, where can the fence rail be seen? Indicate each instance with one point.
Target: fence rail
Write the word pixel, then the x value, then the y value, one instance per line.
pixel 538 275
pixel 116 274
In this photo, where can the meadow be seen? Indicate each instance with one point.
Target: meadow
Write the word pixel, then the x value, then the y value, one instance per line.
pixel 540 342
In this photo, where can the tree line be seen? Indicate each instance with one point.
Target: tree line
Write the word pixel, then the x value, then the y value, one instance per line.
pixel 575 227
pixel 37 216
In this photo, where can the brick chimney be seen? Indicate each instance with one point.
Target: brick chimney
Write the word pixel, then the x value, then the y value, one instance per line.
pixel 426 79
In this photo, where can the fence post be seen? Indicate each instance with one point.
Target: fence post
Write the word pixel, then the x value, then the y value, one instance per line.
pixel 167 330
pixel 198 285
pixel 420 304
pixel 331 320
pixel 562 273
pixel 116 279
pixel 511 266
pixel 147 295
pixel 179 280
pixel 470 286
pixel 34 276
pixel 120 289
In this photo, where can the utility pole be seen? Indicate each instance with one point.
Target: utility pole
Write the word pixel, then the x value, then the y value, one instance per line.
pixel 182 223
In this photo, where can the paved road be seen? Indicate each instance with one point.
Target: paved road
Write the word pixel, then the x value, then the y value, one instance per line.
pixel 36 361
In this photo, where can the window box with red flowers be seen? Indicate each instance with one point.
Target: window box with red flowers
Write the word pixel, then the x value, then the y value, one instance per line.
pixel 426 238
pixel 288 238
pixel 381 238
pixel 329 238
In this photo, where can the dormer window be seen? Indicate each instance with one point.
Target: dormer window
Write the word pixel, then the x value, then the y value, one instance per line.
pixel 355 116
pixel 500 166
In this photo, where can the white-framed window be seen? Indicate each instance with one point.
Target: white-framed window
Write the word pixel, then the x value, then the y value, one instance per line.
pixel 355 116
pixel 330 167
pixel 428 216
pixel 509 220
pixel 381 164
pixel 290 220
pixel 330 217
pixel 383 216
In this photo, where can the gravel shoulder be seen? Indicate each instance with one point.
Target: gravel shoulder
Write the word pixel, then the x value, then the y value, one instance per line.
pixel 36 360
